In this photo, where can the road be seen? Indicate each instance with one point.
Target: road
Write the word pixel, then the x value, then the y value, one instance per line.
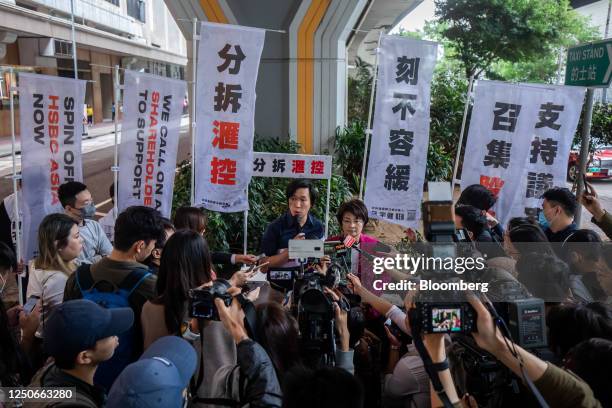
pixel 96 168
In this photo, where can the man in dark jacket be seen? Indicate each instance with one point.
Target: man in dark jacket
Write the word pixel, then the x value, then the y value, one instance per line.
pixel 79 335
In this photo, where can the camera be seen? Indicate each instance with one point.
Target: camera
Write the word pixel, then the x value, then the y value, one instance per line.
pixel 202 300
pixel 446 317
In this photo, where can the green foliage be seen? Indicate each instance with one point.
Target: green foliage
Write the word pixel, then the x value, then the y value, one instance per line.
pixel 348 152
pixel 601 127
pixel 482 33
pixel 266 199
pixel 359 90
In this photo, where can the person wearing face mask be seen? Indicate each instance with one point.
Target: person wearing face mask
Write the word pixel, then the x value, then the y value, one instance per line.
pixel 136 232
pixel 296 223
pixel 78 205
pixel 557 215
pixel 154 260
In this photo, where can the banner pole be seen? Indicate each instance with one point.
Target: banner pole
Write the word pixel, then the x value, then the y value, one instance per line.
pixel 116 158
pixel 369 129
pixel 15 187
pixel 465 111
pixel 194 51
pixel 327 206
pixel 584 150
pixel 245 226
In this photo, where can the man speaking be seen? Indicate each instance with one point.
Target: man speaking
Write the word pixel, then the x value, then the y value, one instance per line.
pixel 296 223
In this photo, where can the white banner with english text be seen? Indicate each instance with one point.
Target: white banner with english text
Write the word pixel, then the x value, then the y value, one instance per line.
pixel 51 123
pixel 400 138
pixel 228 64
pixel 152 109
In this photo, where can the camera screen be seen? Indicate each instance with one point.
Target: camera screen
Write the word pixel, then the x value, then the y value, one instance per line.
pixel 280 275
pixel 446 320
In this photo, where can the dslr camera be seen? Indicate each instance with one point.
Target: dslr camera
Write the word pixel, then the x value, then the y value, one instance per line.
pixel 443 311
pixel 202 300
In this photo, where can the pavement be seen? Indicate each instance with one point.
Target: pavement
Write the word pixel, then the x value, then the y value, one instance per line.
pixel 98 137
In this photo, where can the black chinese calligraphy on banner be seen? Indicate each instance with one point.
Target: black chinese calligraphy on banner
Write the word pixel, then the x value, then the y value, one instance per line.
pixel 514 146
pixel 228 64
pixel 556 119
pixel 400 138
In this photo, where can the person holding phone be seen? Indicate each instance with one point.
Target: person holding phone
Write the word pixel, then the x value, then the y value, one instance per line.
pixel 59 245
pixel 601 217
pixel 296 223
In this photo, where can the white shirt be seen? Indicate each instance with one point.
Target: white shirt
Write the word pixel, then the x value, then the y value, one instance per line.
pixel 95 243
pixel 108 224
pixel 49 286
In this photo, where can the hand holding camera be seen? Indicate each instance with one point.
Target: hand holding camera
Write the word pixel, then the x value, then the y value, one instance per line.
pixel 232 316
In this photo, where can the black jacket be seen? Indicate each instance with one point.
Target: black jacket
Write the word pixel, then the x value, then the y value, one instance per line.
pixel 87 396
pixel 252 382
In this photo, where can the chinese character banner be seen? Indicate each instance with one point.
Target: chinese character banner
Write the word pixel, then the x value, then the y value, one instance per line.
pixel 228 63
pixel 557 116
pixel 51 114
pixel 150 133
pixel 292 165
pixel 508 129
pixel 400 137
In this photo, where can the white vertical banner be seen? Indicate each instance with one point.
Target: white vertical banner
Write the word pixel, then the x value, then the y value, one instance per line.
pixel 400 137
pixel 556 119
pixel 50 117
pixel 152 109
pixel 501 130
pixel 228 63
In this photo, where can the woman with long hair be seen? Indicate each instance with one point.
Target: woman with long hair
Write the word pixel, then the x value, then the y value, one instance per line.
pixel 185 264
pixel 195 219
pixel 59 245
pixel 538 268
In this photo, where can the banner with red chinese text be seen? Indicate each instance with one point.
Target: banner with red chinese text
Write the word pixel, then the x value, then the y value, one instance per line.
pixel 546 163
pixel 228 63
pixel 50 117
pixel 400 137
pixel 150 131
pixel 292 165
pixel 501 130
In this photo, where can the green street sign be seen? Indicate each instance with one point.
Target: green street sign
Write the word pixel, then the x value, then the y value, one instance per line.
pixel 590 64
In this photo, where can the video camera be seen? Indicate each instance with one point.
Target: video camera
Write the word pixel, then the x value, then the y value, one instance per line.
pixel 202 300
pixel 447 312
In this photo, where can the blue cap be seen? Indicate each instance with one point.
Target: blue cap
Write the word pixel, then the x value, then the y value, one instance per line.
pixel 76 325
pixel 158 378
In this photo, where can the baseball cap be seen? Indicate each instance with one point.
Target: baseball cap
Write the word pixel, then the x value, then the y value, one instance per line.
pixel 77 325
pixel 158 378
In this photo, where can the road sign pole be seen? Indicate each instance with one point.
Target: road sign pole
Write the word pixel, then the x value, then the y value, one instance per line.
pixel 584 151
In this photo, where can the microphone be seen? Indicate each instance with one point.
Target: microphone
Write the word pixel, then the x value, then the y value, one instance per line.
pixel 296 221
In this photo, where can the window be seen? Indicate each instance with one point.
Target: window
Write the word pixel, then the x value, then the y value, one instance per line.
pixel 115 2
pixel 136 9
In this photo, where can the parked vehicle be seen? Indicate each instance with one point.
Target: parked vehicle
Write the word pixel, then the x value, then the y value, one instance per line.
pixel 599 166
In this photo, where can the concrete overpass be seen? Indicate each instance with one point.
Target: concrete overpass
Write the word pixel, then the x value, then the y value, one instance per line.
pixel 301 89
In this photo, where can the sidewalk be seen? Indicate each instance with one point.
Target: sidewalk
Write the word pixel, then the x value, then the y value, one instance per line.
pixel 100 129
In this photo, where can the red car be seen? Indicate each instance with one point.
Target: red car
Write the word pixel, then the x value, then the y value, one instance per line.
pixel 599 167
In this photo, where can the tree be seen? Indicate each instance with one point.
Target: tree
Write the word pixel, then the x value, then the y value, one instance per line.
pixel 359 89
pixel 483 33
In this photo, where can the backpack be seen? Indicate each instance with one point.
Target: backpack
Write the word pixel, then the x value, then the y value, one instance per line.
pixel 109 370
